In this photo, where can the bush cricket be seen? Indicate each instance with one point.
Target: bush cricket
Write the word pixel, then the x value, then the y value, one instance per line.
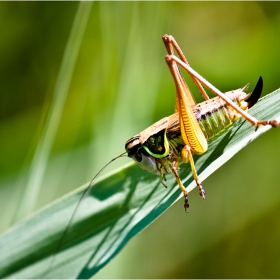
pixel 160 148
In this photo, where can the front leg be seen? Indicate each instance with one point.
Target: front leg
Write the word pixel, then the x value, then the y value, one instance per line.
pixel 183 189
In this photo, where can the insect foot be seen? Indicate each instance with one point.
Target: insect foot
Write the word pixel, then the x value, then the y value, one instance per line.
pixel 186 204
pixel 274 123
pixel 202 192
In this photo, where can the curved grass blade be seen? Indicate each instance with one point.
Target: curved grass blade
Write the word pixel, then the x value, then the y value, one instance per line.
pixel 118 207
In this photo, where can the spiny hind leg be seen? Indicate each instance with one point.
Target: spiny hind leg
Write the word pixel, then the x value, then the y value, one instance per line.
pixel 187 156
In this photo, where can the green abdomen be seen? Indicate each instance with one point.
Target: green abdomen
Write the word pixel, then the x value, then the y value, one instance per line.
pixel 214 116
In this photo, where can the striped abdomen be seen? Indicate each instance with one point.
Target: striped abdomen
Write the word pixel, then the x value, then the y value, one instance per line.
pixel 214 115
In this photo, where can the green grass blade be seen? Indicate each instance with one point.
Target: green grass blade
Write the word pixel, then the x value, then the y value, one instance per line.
pixel 119 206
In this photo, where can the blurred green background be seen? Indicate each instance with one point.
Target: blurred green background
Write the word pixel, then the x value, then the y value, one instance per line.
pixel 121 85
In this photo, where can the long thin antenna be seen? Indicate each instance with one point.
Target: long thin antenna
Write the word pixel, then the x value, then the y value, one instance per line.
pixel 84 195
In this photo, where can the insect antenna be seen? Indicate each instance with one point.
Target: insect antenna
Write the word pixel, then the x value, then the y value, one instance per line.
pixel 84 195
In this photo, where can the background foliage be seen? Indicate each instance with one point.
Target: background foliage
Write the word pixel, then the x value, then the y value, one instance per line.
pixel 121 85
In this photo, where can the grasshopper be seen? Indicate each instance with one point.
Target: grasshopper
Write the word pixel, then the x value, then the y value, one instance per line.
pixel 160 148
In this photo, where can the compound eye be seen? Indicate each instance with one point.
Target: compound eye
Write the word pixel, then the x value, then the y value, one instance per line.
pixel 138 157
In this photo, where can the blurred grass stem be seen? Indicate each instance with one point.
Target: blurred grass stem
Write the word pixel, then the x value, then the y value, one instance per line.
pixel 41 157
